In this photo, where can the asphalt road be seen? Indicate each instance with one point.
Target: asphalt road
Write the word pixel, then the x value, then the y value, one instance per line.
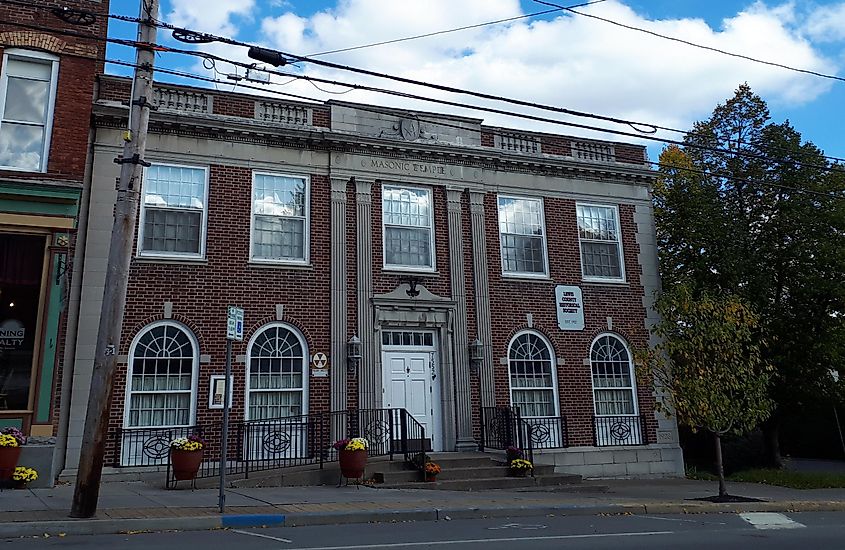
pixel 818 530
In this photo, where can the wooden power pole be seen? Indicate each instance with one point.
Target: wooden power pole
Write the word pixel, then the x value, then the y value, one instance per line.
pixel 87 488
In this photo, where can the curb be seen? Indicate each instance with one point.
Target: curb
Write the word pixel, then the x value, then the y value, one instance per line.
pixel 201 523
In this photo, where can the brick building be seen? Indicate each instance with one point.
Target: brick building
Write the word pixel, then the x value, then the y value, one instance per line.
pixel 49 65
pixel 474 267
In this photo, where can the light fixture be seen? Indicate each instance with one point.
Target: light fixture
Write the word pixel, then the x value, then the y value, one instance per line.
pixel 412 283
pixel 476 355
pixel 353 354
pixel 11 304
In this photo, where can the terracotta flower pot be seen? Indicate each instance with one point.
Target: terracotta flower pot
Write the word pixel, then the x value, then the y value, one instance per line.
pixel 430 477
pixel 352 463
pixel 8 460
pixel 518 472
pixel 186 464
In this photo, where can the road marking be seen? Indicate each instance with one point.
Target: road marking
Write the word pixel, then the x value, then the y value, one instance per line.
pixel 770 520
pixel 484 541
pixel 524 526
pixel 250 533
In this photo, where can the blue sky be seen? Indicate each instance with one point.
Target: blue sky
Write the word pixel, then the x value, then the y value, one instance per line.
pixel 561 60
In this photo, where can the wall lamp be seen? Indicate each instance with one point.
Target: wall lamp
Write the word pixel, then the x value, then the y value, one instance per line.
pixel 476 355
pixel 353 354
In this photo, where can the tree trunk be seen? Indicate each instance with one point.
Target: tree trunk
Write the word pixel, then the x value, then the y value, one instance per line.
pixel 720 466
pixel 771 440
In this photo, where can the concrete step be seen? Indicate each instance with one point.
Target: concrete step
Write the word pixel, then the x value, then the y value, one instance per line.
pixel 481 484
pixel 448 474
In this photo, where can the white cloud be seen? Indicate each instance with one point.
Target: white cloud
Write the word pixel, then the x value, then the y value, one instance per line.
pixel 570 61
pixel 827 23
pixel 211 17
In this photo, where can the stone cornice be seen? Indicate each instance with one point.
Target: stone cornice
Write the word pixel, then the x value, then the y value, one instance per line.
pixel 245 130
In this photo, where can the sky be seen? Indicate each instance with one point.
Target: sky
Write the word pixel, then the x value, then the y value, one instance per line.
pixel 559 59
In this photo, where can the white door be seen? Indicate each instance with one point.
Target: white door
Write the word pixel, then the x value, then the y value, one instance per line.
pixel 410 382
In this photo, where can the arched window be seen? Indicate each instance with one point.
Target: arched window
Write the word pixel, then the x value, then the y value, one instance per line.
pixel 277 383
pixel 613 377
pixel 161 388
pixel 532 376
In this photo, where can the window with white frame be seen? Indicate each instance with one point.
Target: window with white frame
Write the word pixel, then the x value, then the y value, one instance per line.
pixel 532 376
pixel 161 377
pixel 277 378
pixel 280 223
pixel 173 211
pixel 601 242
pixel 407 218
pixel 27 98
pixel 613 377
pixel 522 234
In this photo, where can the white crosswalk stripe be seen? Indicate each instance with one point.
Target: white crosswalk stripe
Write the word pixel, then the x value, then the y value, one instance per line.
pixel 770 520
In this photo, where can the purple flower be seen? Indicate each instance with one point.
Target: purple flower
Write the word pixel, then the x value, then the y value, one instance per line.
pixel 14 432
pixel 340 444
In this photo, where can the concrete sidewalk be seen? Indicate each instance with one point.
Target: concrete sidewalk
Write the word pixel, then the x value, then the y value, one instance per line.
pixel 136 506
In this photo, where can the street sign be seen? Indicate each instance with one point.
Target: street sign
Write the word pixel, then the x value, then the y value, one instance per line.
pixel 235 324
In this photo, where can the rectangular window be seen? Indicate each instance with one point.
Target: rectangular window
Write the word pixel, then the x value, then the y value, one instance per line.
pixel 522 235
pixel 173 212
pixel 27 98
pixel 280 223
pixel 601 242
pixel 407 218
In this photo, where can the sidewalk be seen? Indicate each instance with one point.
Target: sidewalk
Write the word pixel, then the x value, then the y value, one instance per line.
pixel 136 506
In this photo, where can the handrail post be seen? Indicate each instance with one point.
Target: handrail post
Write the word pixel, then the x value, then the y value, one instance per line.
pixel 390 432
pixel 403 428
pixel 483 430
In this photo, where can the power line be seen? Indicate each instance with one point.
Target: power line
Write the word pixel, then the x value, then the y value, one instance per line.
pixel 205 37
pixel 205 55
pixel 693 44
pixel 377 110
pixel 446 31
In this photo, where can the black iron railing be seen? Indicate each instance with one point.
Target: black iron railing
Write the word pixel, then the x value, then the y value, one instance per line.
pixel 503 427
pixel 610 431
pixel 279 442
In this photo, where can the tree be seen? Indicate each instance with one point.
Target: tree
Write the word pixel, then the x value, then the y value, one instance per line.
pixel 708 370
pixel 766 223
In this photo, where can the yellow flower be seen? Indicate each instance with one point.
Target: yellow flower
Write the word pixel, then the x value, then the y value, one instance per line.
pixel 8 441
pixel 23 473
pixel 357 444
pixel 521 464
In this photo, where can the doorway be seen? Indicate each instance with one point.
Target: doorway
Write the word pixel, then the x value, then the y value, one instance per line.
pixel 410 380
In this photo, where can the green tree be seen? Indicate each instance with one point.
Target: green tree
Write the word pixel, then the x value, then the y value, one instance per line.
pixel 767 225
pixel 708 370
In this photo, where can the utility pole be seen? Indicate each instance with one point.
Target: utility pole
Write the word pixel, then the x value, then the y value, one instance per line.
pixel 88 476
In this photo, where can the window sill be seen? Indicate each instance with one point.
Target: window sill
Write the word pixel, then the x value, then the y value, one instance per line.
pixel 281 265
pixel 175 260
pixel 599 282
pixel 526 278
pixel 410 272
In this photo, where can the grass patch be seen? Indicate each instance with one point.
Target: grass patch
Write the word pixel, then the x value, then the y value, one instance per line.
pixel 795 480
pixel 770 476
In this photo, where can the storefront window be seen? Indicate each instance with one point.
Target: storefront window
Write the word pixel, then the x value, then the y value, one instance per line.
pixel 20 285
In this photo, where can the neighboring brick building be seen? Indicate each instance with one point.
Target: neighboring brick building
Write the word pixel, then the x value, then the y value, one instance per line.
pixel 47 80
pixel 416 233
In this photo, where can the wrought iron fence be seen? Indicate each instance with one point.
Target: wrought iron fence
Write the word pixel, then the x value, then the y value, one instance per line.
pixel 279 442
pixel 612 431
pixel 503 427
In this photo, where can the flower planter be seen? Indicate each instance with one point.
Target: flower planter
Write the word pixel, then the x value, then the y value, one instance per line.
pixel 186 464
pixel 8 460
pixel 430 478
pixel 352 463
pixel 520 472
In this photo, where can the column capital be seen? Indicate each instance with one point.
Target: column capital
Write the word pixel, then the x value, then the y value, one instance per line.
pixel 363 189
pixel 453 198
pixel 476 202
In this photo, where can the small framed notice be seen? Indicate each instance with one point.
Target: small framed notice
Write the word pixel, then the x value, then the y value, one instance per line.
pixel 217 387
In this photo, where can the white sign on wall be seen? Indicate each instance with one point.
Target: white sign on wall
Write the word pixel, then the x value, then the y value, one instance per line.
pixel 570 307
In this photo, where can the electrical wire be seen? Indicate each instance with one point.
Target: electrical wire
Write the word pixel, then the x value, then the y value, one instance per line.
pixel 205 55
pixel 456 29
pixel 376 110
pixel 641 133
pixel 693 44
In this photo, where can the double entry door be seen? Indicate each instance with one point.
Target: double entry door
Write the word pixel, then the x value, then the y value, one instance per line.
pixel 410 381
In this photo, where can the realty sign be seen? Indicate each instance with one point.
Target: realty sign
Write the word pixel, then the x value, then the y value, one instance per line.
pixel 235 324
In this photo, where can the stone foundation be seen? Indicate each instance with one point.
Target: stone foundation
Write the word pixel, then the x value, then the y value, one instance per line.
pixel 648 461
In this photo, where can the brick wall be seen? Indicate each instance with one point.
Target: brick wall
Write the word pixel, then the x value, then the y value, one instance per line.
pixel 512 299
pixel 201 292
